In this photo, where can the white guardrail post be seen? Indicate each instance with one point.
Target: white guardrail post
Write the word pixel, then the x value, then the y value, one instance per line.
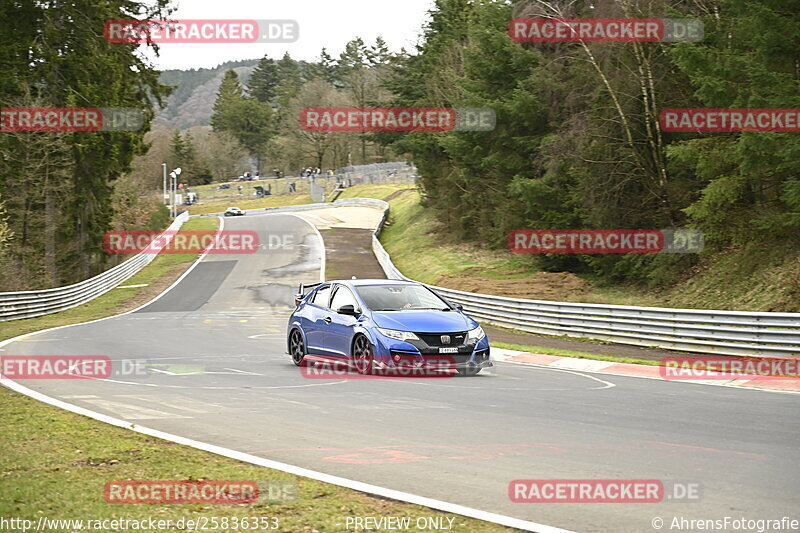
pixel 29 304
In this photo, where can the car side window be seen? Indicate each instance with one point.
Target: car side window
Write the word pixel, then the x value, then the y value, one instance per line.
pixel 321 296
pixel 343 297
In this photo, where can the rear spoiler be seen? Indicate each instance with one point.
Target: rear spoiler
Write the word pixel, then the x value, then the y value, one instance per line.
pixel 302 291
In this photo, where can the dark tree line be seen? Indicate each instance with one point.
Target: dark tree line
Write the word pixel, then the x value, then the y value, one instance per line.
pixel 577 143
pixel 57 186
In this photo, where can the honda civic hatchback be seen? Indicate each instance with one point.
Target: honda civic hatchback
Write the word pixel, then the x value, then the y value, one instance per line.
pixel 374 324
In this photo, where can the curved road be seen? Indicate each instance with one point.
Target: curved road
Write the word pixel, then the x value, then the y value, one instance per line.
pixel 217 372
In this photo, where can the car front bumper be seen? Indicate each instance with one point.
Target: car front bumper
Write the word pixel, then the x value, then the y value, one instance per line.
pixel 391 353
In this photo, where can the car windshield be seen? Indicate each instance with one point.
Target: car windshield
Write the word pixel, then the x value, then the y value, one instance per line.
pixel 399 298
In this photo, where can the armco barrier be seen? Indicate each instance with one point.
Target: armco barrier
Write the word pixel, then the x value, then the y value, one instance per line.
pixel 29 304
pixel 692 330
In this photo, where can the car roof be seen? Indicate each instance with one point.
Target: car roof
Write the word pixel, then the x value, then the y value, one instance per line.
pixel 362 282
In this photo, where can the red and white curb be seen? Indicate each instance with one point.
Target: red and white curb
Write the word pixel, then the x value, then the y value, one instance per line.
pixel 762 383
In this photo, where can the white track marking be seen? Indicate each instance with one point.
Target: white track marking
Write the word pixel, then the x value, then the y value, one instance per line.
pixel 133 412
pixel 252 459
pixel 181 404
pixel 242 372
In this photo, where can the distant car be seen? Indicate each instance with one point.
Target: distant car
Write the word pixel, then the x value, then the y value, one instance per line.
pixel 375 324
pixel 234 212
pixel 224 186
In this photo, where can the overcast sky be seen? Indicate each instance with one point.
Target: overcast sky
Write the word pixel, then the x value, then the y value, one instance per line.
pixel 323 23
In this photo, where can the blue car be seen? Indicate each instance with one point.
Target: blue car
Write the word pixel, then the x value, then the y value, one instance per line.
pixel 374 324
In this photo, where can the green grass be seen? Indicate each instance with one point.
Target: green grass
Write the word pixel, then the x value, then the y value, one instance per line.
pixel 243 202
pixel 380 191
pixel 413 228
pixel 758 277
pixel 278 188
pixel 570 353
pixel 55 464
pixel 113 300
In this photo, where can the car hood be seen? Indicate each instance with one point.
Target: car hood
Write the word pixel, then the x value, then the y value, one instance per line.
pixel 424 321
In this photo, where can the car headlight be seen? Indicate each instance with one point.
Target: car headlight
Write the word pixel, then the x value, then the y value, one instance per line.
pixel 399 335
pixel 476 334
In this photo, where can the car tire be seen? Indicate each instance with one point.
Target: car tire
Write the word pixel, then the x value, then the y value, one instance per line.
pixel 470 370
pixel 363 355
pixel 297 348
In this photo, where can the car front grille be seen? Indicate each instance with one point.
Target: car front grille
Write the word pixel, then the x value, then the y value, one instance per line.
pixel 435 339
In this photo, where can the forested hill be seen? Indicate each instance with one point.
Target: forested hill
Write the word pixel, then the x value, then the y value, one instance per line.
pixel 190 104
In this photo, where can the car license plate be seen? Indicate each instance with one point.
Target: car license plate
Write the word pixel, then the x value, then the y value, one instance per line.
pixel 448 350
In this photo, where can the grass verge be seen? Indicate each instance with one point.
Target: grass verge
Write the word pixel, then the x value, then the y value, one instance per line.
pixel 55 464
pixel 756 277
pixel 570 353
pixel 244 202
pixel 379 191
pixel 413 228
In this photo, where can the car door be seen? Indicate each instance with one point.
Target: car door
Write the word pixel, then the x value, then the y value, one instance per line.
pixel 317 313
pixel 339 333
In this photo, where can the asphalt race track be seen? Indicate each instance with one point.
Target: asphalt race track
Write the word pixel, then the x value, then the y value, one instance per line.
pixel 214 350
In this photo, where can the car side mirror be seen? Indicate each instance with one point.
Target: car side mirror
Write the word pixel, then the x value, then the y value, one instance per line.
pixel 347 310
pixel 298 299
pixel 459 307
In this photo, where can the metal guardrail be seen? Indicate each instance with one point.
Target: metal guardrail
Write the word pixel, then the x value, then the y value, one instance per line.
pixel 29 304
pixel 691 330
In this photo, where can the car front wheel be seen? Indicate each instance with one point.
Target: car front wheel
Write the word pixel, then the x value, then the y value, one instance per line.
pixel 362 355
pixel 297 348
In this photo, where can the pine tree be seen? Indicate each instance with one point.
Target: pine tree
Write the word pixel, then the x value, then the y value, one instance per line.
pixel 291 79
pixel 378 54
pixel 264 81
pixel 327 67
pixel 230 92
pixel 177 149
